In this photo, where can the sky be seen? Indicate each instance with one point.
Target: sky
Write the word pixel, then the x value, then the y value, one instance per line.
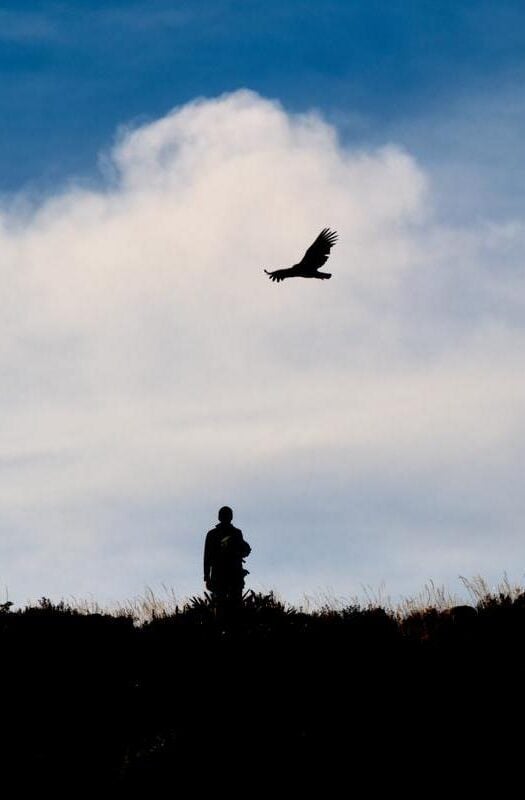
pixel 368 430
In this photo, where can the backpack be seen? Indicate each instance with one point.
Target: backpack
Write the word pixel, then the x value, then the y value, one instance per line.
pixel 230 548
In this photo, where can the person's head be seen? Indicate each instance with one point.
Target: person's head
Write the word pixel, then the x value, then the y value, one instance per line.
pixel 225 514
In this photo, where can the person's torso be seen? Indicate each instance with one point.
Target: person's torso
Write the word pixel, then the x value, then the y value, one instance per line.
pixel 227 547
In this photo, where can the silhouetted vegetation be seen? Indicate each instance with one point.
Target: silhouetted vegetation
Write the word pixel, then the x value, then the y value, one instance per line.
pixel 102 701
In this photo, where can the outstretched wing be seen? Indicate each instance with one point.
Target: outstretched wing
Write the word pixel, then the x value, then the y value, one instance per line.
pixel 280 274
pixel 318 252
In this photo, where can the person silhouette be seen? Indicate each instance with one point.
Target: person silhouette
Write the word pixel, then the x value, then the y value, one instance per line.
pixel 224 552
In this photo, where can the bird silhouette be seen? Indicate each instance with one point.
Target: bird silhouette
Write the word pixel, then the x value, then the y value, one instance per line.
pixel 316 255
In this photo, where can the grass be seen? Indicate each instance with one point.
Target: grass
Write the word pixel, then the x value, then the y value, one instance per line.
pixel 127 695
pixel 433 597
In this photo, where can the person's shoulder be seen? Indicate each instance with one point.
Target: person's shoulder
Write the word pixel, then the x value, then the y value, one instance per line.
pixel 237 530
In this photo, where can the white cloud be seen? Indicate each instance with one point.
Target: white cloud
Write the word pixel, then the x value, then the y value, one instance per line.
pixel 151 372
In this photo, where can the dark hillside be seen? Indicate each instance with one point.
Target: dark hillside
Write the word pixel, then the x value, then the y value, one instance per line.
pixel 98 702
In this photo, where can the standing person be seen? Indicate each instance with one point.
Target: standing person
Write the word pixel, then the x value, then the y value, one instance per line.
pixel 224 554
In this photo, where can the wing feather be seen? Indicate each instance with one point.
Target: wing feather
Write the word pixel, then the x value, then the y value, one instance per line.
pixel 280 274
pixel 318 252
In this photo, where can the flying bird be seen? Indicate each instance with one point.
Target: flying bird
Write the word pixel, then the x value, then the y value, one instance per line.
pixel 316 255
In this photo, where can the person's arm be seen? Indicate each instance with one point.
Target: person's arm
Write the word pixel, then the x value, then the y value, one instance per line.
pixel 244 547
pixel 207 558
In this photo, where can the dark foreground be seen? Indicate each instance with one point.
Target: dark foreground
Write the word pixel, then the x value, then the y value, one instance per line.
pixel 274 699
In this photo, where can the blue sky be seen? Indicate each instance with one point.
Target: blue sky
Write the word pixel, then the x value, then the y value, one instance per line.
pixel 367 434
pixel 72 73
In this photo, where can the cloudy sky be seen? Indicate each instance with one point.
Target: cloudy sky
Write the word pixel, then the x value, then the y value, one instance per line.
pixel 368 431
